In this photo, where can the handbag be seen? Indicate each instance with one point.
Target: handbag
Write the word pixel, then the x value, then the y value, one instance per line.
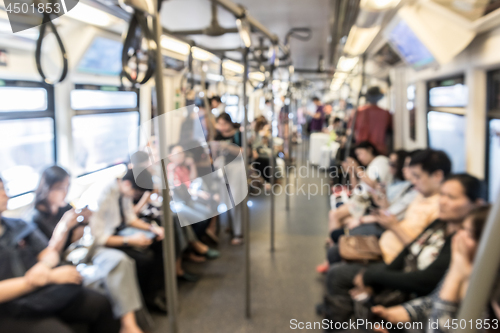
pixel 359 248
pixel 81 251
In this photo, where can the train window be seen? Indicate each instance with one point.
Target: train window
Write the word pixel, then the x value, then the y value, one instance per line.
pixel 494 159
pixel 27 135
pixel 446 132
pixel 23 99
pixel 97 144
pixel 448 96
pixel 493 142
pixel 447 99
pixel 86 99
pixel 26 147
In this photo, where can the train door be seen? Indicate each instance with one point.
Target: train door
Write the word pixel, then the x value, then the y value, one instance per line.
pixel 447 100
pixel 493 135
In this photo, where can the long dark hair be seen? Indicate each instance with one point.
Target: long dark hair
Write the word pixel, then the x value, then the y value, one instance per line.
pixel 400 163
pixel 227 118
pixel 471 185
pixel 50 176
pixel 479 215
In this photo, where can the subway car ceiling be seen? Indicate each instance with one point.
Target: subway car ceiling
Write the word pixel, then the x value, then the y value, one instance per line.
pixel 436 60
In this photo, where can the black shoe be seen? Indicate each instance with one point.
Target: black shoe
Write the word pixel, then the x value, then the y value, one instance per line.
pixel 158 304
pixel 188 277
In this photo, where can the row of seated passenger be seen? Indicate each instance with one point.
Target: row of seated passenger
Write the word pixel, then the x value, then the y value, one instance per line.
pixel 428 223
pixel 67 269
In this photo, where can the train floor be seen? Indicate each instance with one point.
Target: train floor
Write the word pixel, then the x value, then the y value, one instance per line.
pixel 284 284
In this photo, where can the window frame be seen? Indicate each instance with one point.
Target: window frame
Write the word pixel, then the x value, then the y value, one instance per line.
pixel 105 111
pixel 49 112
pixel 459 111
pixel 491 114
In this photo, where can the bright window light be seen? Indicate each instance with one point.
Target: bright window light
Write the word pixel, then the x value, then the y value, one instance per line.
pixel 378 4
pixel 175 45
pixel 340 75
pixel 347 64
pixel 83 99
pixel 359 39
pixel 23 99
pixel 202 55
pixel 244 30
pixel 258 76
pixel 90 15
pixel 233 66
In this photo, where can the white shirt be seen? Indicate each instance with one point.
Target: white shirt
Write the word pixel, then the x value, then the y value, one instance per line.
pixel 103 200
pixel 379 169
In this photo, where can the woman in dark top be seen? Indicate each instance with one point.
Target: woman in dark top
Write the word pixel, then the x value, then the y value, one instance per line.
pixel 115 275
pixel 27 269
pixel 421 265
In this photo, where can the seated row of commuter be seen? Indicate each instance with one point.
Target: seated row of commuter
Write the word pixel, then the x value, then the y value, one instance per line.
pixel 65 265
pixel 402 240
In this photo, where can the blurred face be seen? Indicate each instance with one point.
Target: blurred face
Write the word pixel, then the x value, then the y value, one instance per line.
pixel 425 183
pixel 58 192
pixel 364 155
pixel 393 163
pixel 454 205
pixel 328 109
pixel 407 171
pixel 127 189
pixel 223 126
pixel 3 198
pixel 177 155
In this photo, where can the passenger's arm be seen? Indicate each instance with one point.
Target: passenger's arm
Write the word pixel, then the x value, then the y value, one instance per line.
pixel 13 288
pixel 390 222
pixel 421 282
pixel 460 269
pixel 144 200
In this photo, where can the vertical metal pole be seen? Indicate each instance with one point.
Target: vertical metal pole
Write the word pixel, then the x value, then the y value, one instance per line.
pixel 168 241
pixel 289 159
pixel 245 222
pixel 484 272
pixel 272 160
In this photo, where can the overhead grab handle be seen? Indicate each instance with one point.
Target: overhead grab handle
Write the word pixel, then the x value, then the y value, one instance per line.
pixel 47 21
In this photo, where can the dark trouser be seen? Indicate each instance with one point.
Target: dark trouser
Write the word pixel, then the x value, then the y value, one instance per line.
pixel 90 309
pixel 149 265
pixel 338 283
pixel 263 165
pixel 368 229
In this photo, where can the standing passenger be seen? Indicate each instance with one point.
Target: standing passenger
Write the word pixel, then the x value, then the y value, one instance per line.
pixel 319 117
pixel 372 122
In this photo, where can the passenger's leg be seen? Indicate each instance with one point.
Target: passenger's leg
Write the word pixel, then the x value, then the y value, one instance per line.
pixel 29 325
pixel 119 281
pixel 93 309
pixel 339 305
pixel 333 255
pixel 337 216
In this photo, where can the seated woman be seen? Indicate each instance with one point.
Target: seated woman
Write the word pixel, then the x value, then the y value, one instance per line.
pixel 442 305
pixel 374 170
pixel 395 200
pixel 115 275
pixel 419 267
pixel 35 295
pixel 180 172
